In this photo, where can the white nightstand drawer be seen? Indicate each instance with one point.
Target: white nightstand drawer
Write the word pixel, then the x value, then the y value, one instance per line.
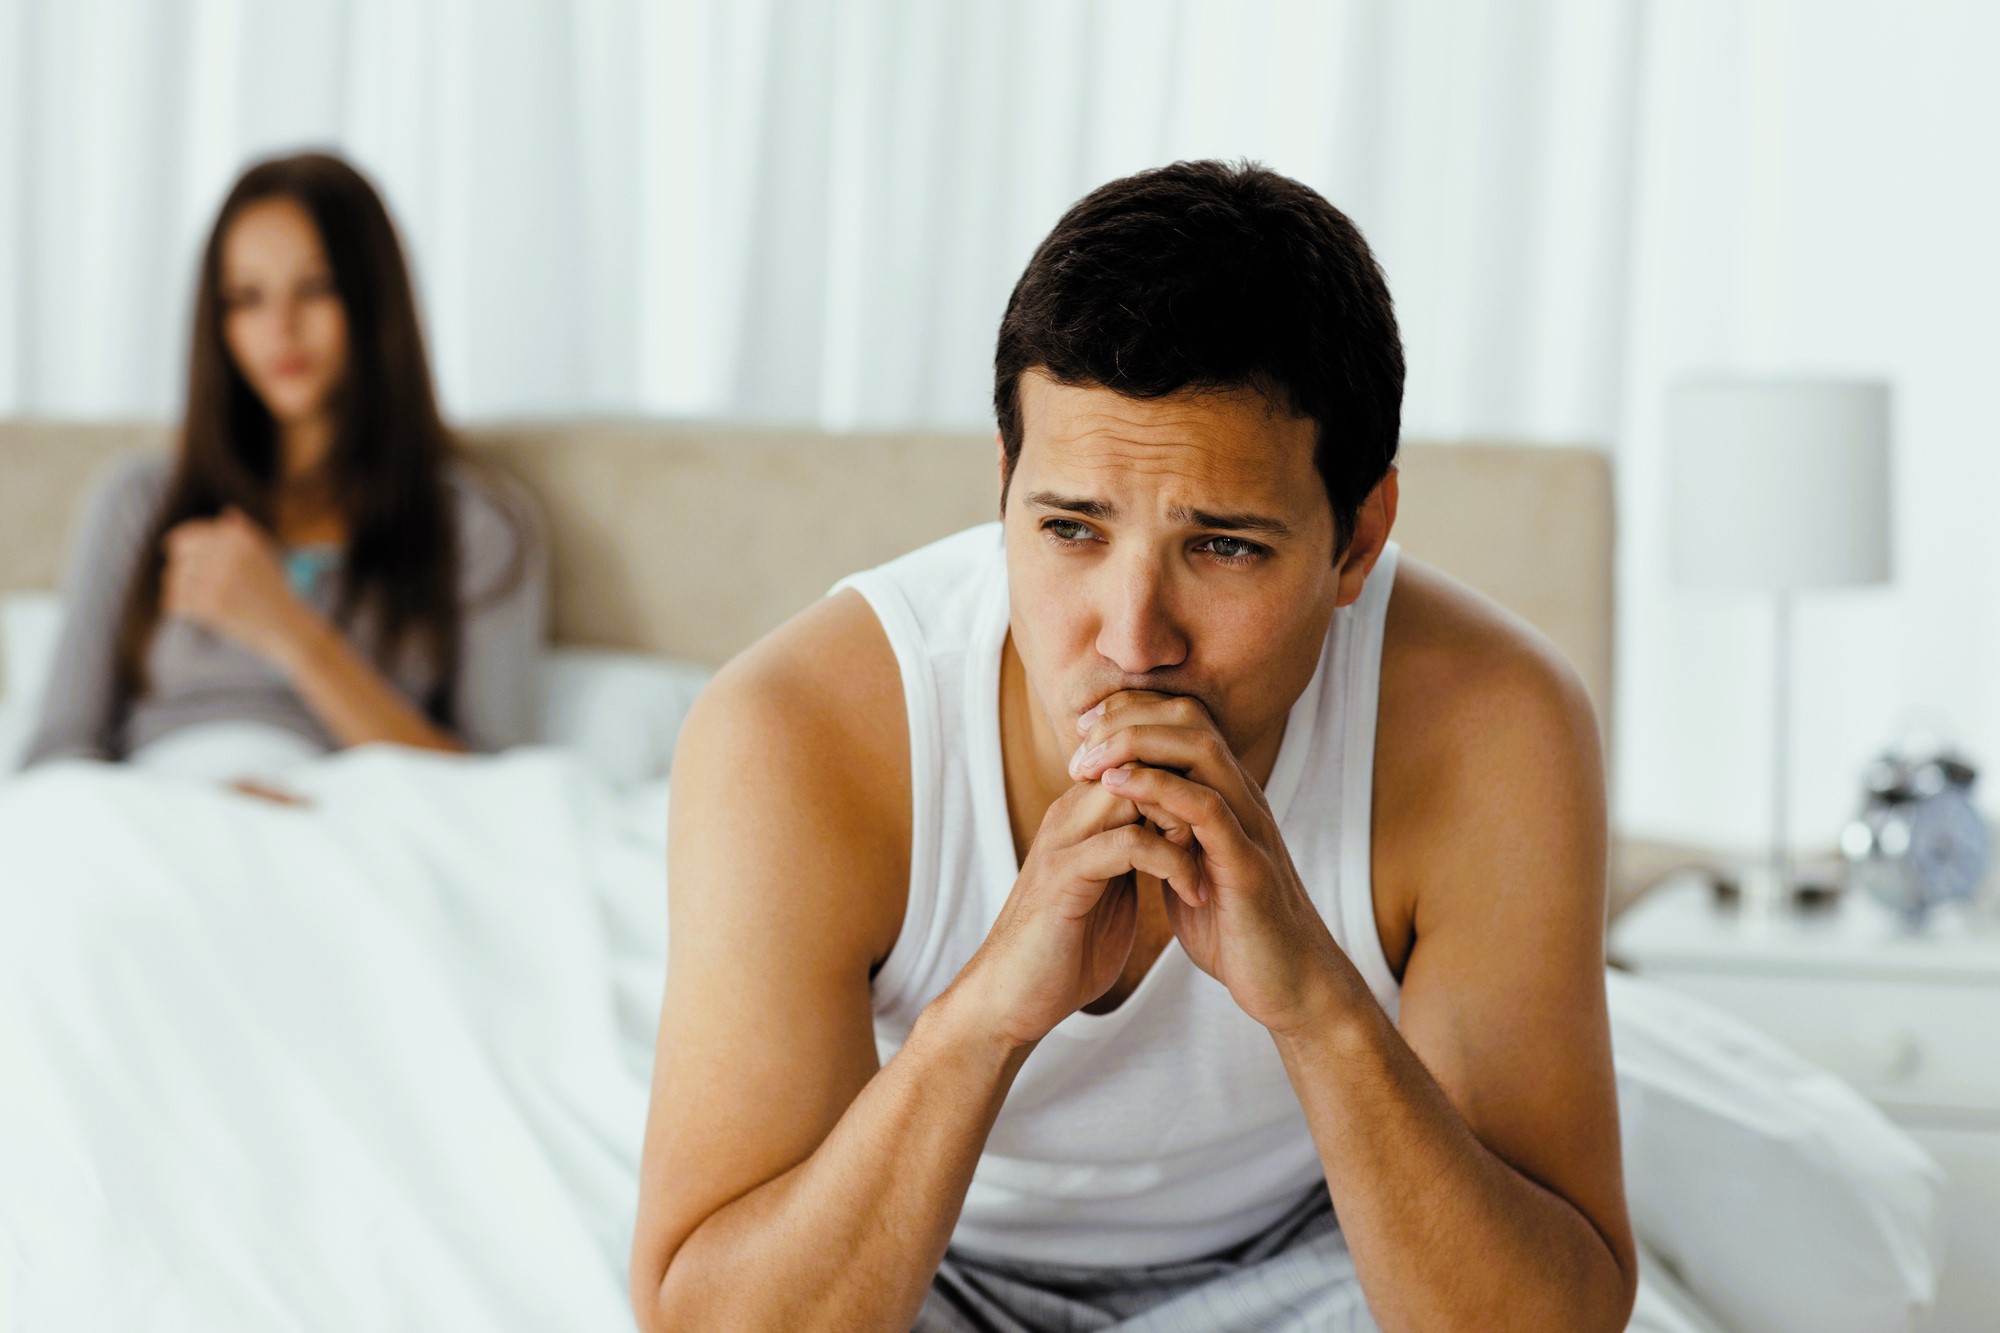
pixel 1901 1039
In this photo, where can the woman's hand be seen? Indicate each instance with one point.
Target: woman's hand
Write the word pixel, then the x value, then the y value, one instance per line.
pixel 223 574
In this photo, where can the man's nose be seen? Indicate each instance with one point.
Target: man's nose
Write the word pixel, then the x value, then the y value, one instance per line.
pixel 1139 631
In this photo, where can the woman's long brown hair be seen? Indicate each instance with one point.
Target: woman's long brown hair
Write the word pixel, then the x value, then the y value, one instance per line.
pixel 390 451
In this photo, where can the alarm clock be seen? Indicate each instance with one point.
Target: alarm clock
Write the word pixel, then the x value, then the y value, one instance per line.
pixel 1919 841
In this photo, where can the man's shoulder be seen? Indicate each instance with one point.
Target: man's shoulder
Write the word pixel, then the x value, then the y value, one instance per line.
pixel 1453 660
pixel 826 681
pixel 1486 744
pixel 799 748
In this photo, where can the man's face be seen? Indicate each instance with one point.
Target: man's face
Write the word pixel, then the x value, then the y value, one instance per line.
pixel 1182 545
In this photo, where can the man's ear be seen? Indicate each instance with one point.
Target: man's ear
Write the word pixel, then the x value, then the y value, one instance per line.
pixel 1371 534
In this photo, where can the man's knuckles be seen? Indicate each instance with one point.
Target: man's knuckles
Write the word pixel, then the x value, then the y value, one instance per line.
pixel 1086 808
pixel 1160 745
pixel 1104 808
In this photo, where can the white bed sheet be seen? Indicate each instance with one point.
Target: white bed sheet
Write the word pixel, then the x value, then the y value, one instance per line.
pixel 376 1063
pixel 380 1062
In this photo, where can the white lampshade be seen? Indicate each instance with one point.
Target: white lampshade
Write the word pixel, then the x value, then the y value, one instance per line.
pixel 1779 485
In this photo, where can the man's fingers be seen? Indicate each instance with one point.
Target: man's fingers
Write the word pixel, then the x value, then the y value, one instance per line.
pixel 1084 809
pixel 1171 800
pixel 1105 856
pixel 1200 753
pixel 1126 706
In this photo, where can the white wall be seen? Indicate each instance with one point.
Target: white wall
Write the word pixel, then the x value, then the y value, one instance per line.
pixel 1816 192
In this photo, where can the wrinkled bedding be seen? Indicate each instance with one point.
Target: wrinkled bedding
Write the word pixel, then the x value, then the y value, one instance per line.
pixel 378 1061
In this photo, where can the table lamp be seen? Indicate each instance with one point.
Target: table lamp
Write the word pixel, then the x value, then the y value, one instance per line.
pixel 1779 486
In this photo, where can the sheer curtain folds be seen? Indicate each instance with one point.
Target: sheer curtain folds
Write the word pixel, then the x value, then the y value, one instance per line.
pixel 810 210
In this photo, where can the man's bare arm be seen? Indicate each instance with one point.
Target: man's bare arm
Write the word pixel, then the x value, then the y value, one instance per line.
pixel 851 1235
pixel 1481 1192
pixel 787 1183
pixel 1474 1154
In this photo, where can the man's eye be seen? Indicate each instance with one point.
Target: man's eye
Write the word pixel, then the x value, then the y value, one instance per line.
pixel 1233 549
pixel 1068 529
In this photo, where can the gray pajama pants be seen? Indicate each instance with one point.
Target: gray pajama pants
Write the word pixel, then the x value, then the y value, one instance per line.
pixel 1294 1278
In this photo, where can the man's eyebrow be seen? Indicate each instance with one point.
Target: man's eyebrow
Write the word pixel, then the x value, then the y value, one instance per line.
pixel 1203 518
pixel 1183 514
pixel 1103 509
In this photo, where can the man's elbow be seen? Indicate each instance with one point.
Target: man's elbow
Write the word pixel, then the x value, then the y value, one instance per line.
pixel 667 1295
pixel 648 1277
pixel 1610 1295
pixel 647 1314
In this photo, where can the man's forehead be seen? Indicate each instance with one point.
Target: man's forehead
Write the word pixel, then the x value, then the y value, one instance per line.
pixel 1235 439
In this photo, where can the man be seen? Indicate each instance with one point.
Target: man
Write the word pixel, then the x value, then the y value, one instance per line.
pixel 1165 908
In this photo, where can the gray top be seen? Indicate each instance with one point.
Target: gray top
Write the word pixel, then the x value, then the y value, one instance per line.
pixel 197 676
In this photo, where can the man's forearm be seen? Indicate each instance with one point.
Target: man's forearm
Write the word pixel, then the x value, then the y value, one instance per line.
pixel 1445 1235
pixel 851 1237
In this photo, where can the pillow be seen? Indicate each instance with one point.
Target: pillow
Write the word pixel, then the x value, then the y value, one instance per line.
pixel 30 625
pixel 621 710
pixel 16 730
pixel 1779 1196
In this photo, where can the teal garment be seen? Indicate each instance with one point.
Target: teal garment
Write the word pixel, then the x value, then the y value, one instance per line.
pixel 305 566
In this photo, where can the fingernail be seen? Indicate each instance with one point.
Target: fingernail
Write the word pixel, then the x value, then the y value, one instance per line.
pixel 1089 720
pixel 1115 777
pixel 1081 761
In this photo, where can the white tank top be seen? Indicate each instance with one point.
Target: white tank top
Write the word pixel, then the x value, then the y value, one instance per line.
pixel 1166 1129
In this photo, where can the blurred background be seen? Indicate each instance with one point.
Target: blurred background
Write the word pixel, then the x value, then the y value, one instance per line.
pixel 787 211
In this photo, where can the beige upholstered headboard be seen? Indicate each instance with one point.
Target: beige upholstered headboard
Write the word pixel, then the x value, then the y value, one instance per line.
pixel 693 539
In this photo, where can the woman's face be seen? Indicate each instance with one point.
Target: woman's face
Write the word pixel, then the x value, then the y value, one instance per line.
pixel 282 320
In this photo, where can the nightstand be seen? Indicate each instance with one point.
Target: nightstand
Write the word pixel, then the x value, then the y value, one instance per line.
pixel 1912 1019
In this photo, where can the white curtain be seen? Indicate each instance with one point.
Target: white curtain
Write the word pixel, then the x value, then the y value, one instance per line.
pixel 812 210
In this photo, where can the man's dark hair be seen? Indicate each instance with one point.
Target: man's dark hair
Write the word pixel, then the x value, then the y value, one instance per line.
pixel 1216 276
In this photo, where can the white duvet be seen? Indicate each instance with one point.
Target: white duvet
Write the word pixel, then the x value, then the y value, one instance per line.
pixel 379 1062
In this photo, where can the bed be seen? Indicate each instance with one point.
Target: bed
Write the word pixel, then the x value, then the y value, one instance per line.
pixel 381 1060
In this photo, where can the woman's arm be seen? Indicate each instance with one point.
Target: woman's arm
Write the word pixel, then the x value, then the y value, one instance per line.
pixel 503 618
pixel 223 574
pixel 79 711
pixel 351 698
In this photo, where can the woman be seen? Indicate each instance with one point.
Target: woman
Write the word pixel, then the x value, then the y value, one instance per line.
pixel 316 566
